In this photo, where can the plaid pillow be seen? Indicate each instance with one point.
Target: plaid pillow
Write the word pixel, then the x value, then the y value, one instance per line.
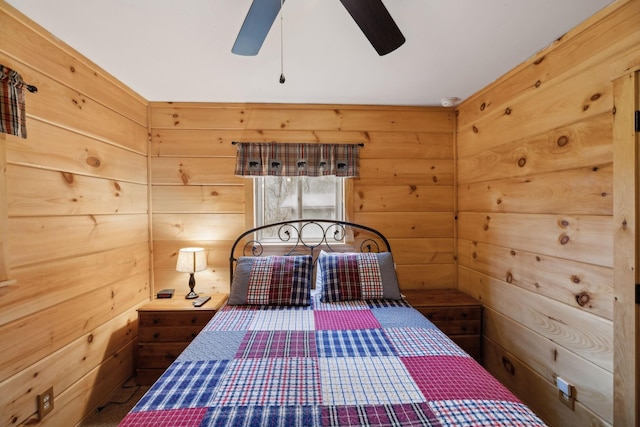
pixel 353 276
pixel 272 280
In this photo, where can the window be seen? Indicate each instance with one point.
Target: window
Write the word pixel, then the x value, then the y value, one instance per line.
pixel 298 181
pixel 281 198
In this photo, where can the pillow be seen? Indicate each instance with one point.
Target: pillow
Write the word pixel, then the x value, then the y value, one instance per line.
pixel 272 280
pixel 357 276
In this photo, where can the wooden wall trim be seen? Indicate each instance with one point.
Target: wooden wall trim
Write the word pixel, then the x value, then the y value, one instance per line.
pixel 626 263
pixel 4 269
pixel 150 206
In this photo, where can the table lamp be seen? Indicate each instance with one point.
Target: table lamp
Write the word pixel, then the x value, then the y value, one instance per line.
pixel 191 260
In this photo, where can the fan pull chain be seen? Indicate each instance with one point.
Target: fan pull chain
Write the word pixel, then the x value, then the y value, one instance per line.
pixel 281 43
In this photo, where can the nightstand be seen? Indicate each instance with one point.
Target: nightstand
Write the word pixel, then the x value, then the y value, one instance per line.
pixel 165 328
pixel 455 313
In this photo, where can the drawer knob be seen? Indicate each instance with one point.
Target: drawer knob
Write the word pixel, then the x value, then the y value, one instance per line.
pixel 156 335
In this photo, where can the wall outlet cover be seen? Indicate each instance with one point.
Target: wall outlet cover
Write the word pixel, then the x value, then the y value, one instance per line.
pixel 45 403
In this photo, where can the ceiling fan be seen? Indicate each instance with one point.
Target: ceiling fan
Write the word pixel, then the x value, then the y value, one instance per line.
pixel 372 17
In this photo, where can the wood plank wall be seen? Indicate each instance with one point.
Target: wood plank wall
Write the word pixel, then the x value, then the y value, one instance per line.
pixel 533 239
pixel 405 189
pixel 77 234
pixel 535 229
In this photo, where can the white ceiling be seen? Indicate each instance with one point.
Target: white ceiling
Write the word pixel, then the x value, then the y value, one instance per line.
pixel 168 50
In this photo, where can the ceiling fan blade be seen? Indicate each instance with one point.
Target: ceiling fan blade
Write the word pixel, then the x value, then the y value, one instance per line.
pixel 376 23
pixel 256 26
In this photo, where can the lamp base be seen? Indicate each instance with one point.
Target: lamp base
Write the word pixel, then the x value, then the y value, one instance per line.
pixel 192 284
pixel 191 295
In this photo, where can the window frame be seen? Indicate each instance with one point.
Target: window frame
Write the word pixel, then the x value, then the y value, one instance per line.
pixel 252 205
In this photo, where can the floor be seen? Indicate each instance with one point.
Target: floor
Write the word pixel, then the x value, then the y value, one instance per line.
pixel 111 413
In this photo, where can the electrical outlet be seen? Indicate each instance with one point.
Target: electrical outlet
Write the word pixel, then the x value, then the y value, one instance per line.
pixel 45 403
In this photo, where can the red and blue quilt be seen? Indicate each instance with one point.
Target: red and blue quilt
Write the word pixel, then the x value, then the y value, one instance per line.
pixel 350 363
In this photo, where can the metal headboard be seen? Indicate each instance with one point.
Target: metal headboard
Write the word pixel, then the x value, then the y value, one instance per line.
pixel 332 235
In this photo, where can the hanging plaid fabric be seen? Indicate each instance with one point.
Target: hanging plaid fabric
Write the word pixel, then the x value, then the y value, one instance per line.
pixel 12 111
pixel 300 159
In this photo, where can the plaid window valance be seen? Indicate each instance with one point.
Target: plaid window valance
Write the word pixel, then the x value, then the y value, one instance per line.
pixel 12 111
pixel 282 159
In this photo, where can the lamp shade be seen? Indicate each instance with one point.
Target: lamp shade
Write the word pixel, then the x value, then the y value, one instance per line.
pixel 191 260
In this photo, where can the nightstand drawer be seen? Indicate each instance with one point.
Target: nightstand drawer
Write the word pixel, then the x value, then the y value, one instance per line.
pixel 454 313
pixel 165 329
pixel 472 344
pixel 176 318
pixel 449 314
pixel 155 334
pixel 159 355
pixel 459 327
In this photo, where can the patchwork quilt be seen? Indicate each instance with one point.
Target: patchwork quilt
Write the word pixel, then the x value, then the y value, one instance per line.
pixel 349 363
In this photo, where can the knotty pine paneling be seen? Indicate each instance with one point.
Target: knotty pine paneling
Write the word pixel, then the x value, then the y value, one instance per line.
pixel 67 322
pixel 77 154
pixel 196 226
pixel 32 191
pixel 425 224
pixel 201 198
pixel 579 238
pixel 427 276
pixel 17 396
pixel 297 117
pixel 380 145
pixel 426 250
pixel 421 145
pixel 64 279
pixel 580 332
pixel 524 381
pixel 86 393
pixel 577 284
pixel 581 100
pixel 63 104
pixel 580 144
pixel 547 121
pixel 595 384
pixel 41 236
pixel 402 198
pixel 411 172
pixel 165 255
pixel 406 183
pixel 194 171
pixel 535 234
pixel 77 230
pixel 587 190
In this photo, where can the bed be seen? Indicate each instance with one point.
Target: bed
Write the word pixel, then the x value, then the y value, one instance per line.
pixel 317 333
